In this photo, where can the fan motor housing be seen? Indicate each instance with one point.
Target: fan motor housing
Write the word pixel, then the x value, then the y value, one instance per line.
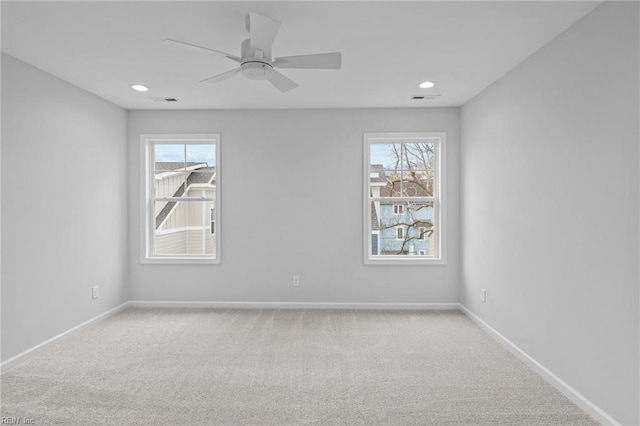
pixel 256 70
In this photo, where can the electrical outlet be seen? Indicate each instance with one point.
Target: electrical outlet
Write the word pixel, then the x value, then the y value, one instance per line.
pixel 94 292
pixel 483 295
pixel 296 280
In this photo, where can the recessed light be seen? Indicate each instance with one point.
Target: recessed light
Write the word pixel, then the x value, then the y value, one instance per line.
pixel 139 87
pixel 427 84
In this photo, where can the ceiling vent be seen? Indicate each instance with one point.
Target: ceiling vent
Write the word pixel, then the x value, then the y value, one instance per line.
pixel 163 99
pixel 423 97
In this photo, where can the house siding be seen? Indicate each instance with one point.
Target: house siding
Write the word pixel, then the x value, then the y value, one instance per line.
pixel 167 188
pixel 389 242
pixel 171 243
pixel 185 241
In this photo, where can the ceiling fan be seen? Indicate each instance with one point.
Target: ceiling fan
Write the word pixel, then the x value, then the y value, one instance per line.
pixel 255 59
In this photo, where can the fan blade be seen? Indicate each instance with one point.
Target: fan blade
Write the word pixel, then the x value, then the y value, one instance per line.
pixel 196 48
pixel 221 77
pixel 263 31
pixel 282 83
pixel 326 61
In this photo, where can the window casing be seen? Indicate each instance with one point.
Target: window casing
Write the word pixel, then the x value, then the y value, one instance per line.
pixel 404 190
pixel 180 175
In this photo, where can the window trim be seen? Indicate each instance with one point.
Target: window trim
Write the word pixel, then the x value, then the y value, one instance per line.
pixel 439 199
pixel 147 219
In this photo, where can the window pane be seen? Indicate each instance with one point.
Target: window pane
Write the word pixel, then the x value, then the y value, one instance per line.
pixel 391 184
pixel 414 184
pixel 386 156
pixel 184 228
pixel 169 153
pixel 419 156
pixel 201 154
pixel 169 166
pixel 402 169
pixel 191 173
pixel 396 183
pixel 403 229
pixel 418 177
pixel 205 176
pixel 170 184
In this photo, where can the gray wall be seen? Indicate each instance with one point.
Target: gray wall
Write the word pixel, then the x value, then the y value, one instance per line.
pixel 64 190
pixel 292 204
pixel 550 207
pixel 550 188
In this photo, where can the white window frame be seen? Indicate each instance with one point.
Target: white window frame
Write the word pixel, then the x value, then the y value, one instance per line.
pixel 147 217
pixel 398 209
pixel 399 232
pixel 438 199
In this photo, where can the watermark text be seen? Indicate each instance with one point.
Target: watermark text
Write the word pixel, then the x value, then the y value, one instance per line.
pixel 17 421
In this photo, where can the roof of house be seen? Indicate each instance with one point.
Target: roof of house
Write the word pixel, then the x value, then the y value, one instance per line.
pixel 414 183
pixel 168 166
pixel 411 183
pixel 201 175
pixel 375 224
pixel 379 169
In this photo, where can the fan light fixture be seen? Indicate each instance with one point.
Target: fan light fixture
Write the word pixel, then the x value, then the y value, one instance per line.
pixel 255 59
pixel 427 84
pixel 256 70
pixel 139 87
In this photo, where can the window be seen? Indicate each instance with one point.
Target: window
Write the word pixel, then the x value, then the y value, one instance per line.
pixel 181 197
pixel 422 233
pixel 404 198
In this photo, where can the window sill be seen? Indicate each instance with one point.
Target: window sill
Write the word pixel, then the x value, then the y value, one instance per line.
pixel 179 261
pixel 410 260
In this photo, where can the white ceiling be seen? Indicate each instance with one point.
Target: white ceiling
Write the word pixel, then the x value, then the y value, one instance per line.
pixel 387 48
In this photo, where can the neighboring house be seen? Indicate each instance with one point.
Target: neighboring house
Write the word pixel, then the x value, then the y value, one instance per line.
pixel 185 227
pixel 401 228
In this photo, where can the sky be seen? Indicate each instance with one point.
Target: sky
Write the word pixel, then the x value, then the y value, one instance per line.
pixel 194 153
pixel 381 154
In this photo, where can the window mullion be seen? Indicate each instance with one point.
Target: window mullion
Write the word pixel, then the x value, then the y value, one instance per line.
pixel 402 199
pixel 178 199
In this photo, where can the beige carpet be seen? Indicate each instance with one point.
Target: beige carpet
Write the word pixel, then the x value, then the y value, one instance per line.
pixel 153 366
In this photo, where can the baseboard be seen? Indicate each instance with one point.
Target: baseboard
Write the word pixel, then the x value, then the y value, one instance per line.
pixel 296 305
pixel 6 365
pixel 576 397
